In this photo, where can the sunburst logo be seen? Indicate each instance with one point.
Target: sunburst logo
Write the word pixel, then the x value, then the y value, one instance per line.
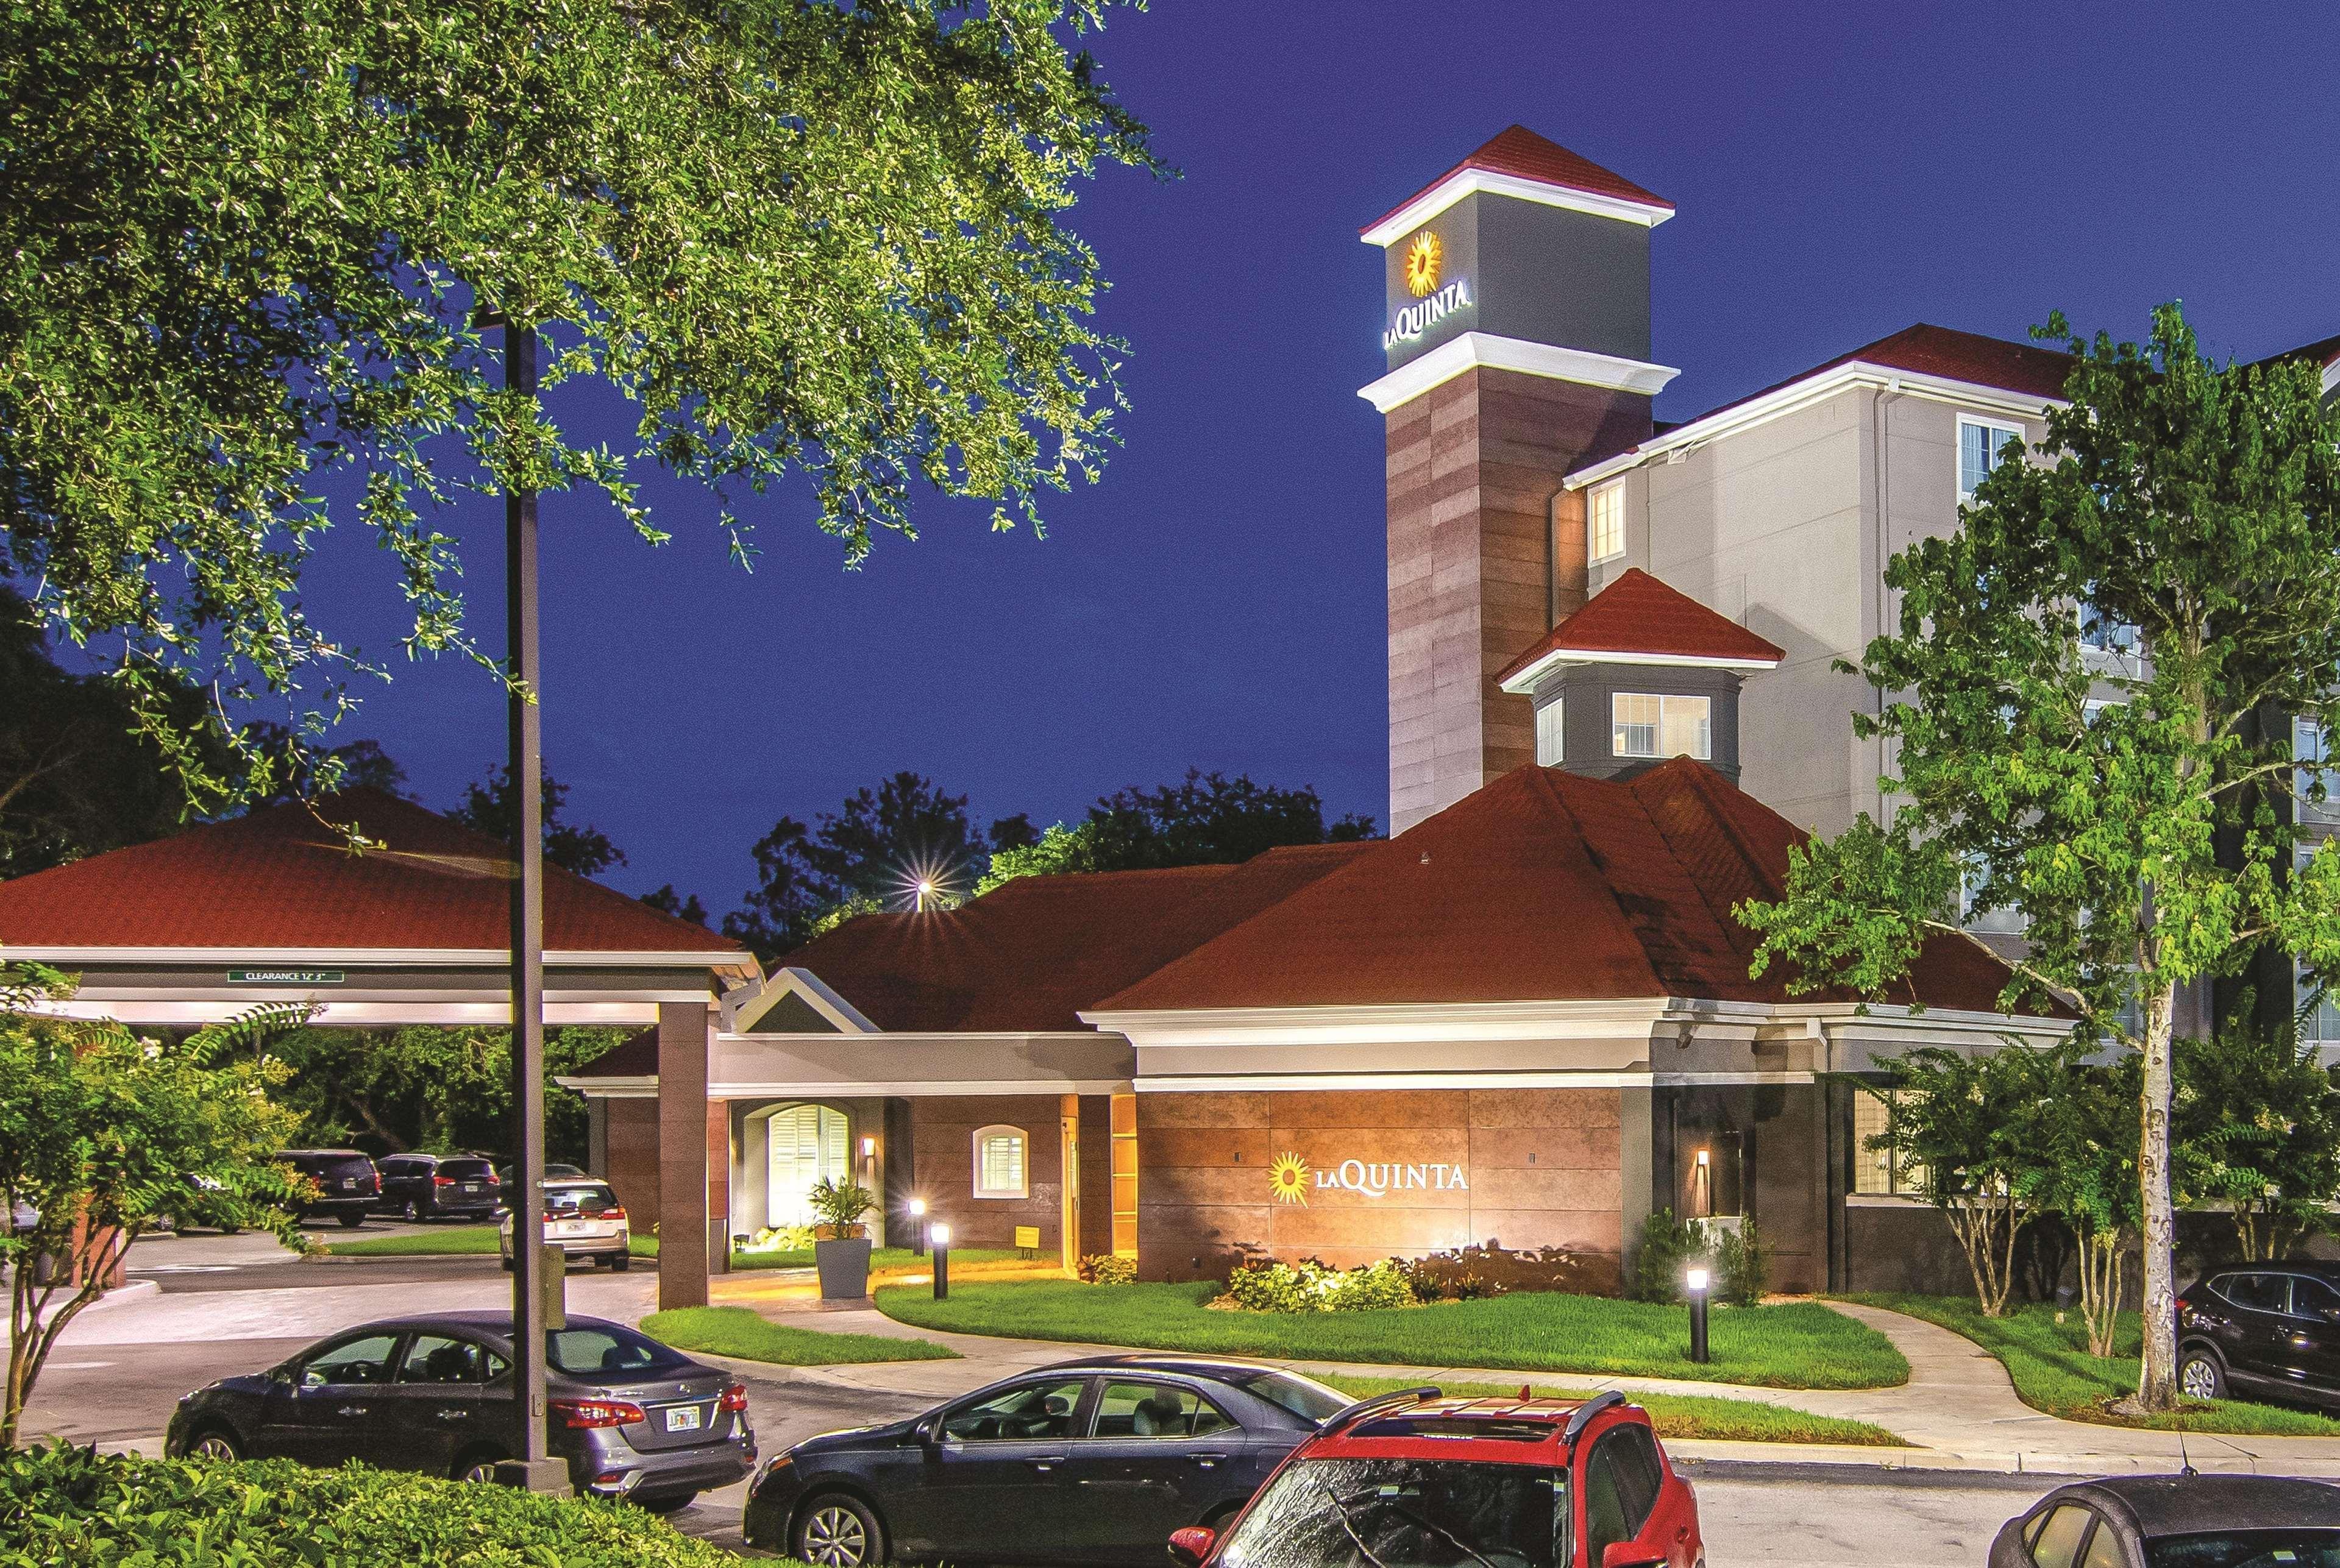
pixel 1288 1178
pixel 1421 261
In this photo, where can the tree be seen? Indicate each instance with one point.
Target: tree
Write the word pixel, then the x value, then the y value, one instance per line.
pixel 490 808
pixel 666 901
pixel 1207 819
pixel 302 771
pixel 2085 690
pixel 902 845
pixel 102 1132
pixel 2088 1148
pixel 2256 1126
pixel 430 1088
pixel 248 251
pixel 1967 1132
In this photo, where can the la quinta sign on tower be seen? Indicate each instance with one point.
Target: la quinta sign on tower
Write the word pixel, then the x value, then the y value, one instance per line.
pixel 1425 259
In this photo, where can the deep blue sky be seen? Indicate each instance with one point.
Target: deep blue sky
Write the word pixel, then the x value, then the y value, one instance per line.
pixel 1218 599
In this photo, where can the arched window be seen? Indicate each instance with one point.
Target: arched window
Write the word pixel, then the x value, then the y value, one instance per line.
pixel 1001 1170
pixel 807 1146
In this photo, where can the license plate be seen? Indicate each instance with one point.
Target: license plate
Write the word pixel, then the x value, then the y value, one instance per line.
pixel 568 1227
pixel 471 1187
pixel 349 1181
pixel 682 1418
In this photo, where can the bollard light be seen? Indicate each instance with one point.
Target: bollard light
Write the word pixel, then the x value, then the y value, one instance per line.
pixel 941 1235
pixel 918 1227
pixel 1695 1279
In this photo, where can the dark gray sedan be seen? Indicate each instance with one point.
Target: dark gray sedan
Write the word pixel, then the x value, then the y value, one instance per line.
pixel 2177 1521
pixel 632 1417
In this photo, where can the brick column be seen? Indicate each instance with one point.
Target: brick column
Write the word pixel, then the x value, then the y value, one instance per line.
pixel 686 1178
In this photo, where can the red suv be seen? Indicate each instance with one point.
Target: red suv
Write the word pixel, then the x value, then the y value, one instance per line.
pixel 1414 1480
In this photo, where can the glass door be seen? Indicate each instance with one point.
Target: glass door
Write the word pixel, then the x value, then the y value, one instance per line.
pixel 809 1145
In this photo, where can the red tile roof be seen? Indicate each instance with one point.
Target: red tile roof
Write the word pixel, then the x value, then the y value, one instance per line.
pixel 1637 614
pixel 1943 351
pixel 1544 886
pixel 280 880
pixel 1030 955
pixel 1521 152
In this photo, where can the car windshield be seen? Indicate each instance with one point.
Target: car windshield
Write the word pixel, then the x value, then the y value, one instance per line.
pixel 606 1350
pixel 1311 1402
pixel 579 1201
pixel 2247 1549
pixel 1405 1514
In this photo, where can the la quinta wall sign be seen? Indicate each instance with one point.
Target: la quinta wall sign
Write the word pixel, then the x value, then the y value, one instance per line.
pixel 1291 1178
pixel 1425 259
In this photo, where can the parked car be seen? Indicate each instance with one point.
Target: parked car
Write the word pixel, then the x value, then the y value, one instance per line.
pixel 2262 1328
pixel 1412 1479
pixel 632 1417
pixel 348 1185
pixel 208 1208
pixel 2185 1520
pixel 438 1187
pixel 584 1220
pixel 553 1169
pixel 1092 1461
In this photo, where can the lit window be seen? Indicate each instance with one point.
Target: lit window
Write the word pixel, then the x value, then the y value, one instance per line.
pixel 999 1167
pixel 1643 725
pixel 1548 733
pixel 1983 445
pixel 1884 1169
pixel 2311 747
pixel 1604 528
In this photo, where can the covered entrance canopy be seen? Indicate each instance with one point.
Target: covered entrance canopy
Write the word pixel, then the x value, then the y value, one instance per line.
pixel 273 907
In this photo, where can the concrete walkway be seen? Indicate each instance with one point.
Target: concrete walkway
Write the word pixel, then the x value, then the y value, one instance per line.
pixel 1959 1410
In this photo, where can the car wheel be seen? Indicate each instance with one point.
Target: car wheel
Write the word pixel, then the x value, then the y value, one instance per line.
pixel 833 1531
pixel 2200 1374
pixel 216 1442
pixel 620 1262
pixel 411 1212
pixel 351 1221
pixel 666 1502
pixel 480 1464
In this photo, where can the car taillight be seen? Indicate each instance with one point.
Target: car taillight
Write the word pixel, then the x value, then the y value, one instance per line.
pixel 442 1181
pixel 587 1412
pixel 735 1399
pixel 613 1212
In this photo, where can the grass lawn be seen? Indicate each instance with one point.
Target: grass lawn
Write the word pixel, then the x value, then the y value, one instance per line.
pixel 2053 1371
pixel 1673 1414
pixel 1796 1344
pixel 879 1257
pixel 737 1331
pixel 450 1241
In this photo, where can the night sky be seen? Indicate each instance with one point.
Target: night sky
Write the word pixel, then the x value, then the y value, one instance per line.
pixel 1218 601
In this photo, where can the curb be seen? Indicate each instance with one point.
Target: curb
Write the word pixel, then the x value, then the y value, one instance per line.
pixel 1993 1460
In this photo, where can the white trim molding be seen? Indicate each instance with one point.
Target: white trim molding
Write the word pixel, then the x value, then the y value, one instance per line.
pixel 1526 680
pixel 379 958
pixel 1398 1024
pixel 646 1087
pixel 742 1008
pixel 1474 350
pixel 1543 192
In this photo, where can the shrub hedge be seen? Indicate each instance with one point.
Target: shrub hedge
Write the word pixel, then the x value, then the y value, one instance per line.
pixel 64 1505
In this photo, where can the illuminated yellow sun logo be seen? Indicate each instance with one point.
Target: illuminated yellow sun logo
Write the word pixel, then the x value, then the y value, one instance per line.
pixel 1421 259
pixel 1288 1178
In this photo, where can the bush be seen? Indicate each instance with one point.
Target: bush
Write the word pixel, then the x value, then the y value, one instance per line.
pixel 1742 1265
pixel 1369 1289
pixel 1313 1287
pixel 1668 1247
pixel 1105 1268
pixel 783 1239
pixel 65 1504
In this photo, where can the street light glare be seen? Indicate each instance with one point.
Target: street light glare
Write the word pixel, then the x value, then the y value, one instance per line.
pixel 918 1207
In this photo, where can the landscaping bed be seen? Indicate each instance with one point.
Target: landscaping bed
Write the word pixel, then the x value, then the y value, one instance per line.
pixel 65 1504
pixel 452 1241
pixel 1683 1415
pixel 741 1332
pixel 1795 1345
pixel 2052 1370
pixel 881 1258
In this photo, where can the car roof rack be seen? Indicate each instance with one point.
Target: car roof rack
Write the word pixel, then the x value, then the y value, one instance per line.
pixel 1378 1403
pixel 1582 1417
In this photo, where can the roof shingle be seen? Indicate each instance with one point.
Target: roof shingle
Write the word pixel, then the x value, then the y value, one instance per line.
pixel 1521 152
pixel 1639 615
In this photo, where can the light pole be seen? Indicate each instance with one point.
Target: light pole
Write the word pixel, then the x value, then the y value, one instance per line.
pixel 1697 1282
pixel 942 1262
pixel 918 1227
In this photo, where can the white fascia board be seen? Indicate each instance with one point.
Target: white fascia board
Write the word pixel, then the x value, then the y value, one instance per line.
pixel 1474 351
pixel 379 957
pixel 2331 375
pixel 1798 395
pixel 739 1015
pixel 1253 1082
pixel 1525 681
pixel 342 1012
pixel 915 1088
pixel 1943 1025
pixel 645 1088
pixel 1400 1025
pixel 1470 182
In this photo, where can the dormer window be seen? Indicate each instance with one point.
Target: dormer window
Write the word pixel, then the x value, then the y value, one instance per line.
pixel 1604 522
pixel 1645 724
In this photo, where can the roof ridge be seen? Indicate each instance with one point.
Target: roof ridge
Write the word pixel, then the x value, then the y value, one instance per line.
pixel 1624 921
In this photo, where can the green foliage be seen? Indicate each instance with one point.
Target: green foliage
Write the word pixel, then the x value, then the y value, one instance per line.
pixel 1666 1249
pixel 103 1133
pixel 2256 1126
pixel 244 245
pixel 741 1332
pixel 63 1505
pixel 489 807
pixel 1692 1416
pixel 1106 1269
pixel 437 1088
pixel 1208 818
pixel 839 1202
pixel 1742 1265
pixel 1313 1287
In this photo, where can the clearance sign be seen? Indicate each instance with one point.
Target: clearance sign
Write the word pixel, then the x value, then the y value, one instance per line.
pixel 1291 1179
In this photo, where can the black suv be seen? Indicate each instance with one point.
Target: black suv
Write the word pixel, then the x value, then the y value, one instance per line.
pixel 2262 1328
pixel 438 1187
pixel 347 1183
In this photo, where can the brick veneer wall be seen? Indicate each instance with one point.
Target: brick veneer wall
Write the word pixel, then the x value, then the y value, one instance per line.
pixel 945 1149
pixel 631 1163
pixel 1541 1167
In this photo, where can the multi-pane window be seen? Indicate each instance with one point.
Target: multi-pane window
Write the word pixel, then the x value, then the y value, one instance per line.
pixel 999 1162
pixel 1549 747
pixel 2320 1023
pixel 1883 1168
pixel 2311 748
pixel 1644 725
pixel 1983 445
pixel 1604 530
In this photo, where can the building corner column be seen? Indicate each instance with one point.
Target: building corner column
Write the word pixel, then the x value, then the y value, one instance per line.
pixel 686 1175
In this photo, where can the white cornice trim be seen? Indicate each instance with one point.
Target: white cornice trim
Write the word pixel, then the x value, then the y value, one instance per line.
pixel 645 1087
pixel 1525 681
pixel 1474 351
pixel 1303 1081
pixel 1471 181
pixel 377 957
pixel 1402 1023
pixel 1801 393
pixel 742 1011
pixel 363 1013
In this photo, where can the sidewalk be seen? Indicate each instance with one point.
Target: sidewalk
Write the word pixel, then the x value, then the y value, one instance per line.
pixel 1958 1411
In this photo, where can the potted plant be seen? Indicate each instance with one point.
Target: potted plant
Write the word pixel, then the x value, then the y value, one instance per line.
pixel 840 1246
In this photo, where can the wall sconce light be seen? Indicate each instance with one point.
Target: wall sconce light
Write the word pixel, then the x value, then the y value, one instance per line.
pixel 1701 1159
pixel 869 1149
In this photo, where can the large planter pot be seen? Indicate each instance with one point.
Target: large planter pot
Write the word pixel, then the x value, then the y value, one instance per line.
pixel 844 1268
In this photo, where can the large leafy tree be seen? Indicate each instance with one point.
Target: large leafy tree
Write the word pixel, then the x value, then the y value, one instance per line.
pixel 245 252
pixel 2256 1126
pixel 2079 692
pixel 430 1088
pixel 490 806
pixel 1206 819
pixel 102 1133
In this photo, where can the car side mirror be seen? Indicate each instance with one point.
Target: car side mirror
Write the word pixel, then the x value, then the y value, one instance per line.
pixel 1189 1546
pixel 1626 1554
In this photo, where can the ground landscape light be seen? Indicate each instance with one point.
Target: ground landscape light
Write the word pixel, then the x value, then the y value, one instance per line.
pixel 1698 1279
pixel 918 1207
